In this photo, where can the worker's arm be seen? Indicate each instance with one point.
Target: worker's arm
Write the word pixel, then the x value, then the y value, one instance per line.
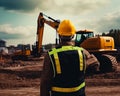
pixel 46 77
pixel 91 61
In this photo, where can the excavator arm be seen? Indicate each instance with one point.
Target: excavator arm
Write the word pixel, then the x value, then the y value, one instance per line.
pixel 40 30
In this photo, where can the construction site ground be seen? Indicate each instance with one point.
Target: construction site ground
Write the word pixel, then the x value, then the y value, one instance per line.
pixel 22 78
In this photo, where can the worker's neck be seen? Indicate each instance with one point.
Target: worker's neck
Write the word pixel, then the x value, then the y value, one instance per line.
pixel 67 43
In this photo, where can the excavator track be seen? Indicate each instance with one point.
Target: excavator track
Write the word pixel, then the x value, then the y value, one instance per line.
pixel 108 63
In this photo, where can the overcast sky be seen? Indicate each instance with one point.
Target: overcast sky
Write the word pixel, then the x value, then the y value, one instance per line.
pixel 18 18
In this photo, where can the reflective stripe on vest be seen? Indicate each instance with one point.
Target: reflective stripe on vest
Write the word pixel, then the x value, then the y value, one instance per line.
pixel 73 89
pixel 57 63
pixel 81 59
pixel 55 51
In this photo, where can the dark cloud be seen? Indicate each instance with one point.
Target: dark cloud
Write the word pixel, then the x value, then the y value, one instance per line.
pixel 4 35
pixel 52 5
pixel 22 5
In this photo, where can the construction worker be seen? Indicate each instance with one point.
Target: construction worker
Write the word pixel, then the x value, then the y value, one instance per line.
pixel 64 66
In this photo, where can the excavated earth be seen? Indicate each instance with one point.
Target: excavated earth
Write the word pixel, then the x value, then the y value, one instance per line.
pixel 22 78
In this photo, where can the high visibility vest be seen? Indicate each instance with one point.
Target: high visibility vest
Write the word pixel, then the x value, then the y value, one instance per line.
pixel 69 69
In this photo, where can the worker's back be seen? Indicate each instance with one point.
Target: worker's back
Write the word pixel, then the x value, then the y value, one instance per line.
pixel 69 70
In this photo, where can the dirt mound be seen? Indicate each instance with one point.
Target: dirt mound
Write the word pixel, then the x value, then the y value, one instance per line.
pixel 21 74
pixel 16 79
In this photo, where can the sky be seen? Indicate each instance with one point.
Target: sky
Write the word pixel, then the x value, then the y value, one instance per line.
pixel 18 18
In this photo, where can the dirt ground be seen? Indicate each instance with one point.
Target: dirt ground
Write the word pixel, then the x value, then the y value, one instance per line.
pixel 23 79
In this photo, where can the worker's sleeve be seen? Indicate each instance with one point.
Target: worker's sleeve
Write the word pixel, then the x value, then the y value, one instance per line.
pixel 92 64
pixel 46 76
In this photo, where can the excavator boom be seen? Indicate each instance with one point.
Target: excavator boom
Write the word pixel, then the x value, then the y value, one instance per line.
pixel 40 30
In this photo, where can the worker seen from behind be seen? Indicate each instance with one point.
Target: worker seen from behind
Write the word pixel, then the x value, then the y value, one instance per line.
pixel 64 66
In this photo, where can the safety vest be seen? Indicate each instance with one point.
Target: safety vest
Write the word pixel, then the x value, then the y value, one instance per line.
pixel 69 69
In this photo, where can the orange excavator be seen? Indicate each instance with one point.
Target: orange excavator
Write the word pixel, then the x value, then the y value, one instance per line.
pixel 100 47
pixel 22 52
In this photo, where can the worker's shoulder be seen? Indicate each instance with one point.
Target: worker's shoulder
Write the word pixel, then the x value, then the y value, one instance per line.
pixel 77 47
pixel 57 47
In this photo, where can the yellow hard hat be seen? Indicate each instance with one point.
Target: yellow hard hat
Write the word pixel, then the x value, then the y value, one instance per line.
pixel 66 28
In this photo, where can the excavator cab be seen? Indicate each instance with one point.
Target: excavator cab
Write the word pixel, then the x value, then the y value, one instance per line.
pixel 82 35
